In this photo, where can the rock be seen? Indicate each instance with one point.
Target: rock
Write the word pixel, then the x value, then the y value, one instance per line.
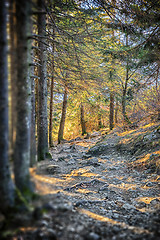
pixel 113 168
pixel 73 148
pixel 70 162
pixel 95 134
pixel 117 181
pixel 155 201
pixel 80 228
pixel 45 234
pixel 104 187
pixel 70 228
pixel 93 162
pixel 92 236
pixel 51 169
pixel 151 184
pixel 128 206
pixel 140 205
pixel 78 139
pixel 43 223
pixel 61 159
pixel 86 156
pixel 65 207
pixel 133 193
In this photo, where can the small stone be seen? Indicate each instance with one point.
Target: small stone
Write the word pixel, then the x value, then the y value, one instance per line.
pixel 70 228
pixel 61 159
pixel 155 201
pixel 140 205
pixel 151 184
pixel 104 187
pixel 51 169
pixel 43 223
pixel 128 206
pixel 80 228
pixel 51 234
pixel 92 236
pixel 65 207
pixel 46 217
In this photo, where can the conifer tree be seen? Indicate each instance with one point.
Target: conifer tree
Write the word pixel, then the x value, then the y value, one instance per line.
pixel 42 118
pixel 23 97
pixel 6 184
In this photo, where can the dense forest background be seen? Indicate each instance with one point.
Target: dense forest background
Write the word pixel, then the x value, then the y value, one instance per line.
pixel 69 68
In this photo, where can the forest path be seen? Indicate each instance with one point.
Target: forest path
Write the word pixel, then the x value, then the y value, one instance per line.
pixel 101 197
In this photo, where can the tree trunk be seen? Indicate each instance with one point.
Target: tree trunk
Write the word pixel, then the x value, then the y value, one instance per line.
pixel 63 117
pixel 23 98
pixel 6 184
pixel 12 124
pixel 51 113
pixel 52 87
pixel 111 115
pixel 33 149
pixel 125 117
pixel 116 111
pixel 158 93
pixel 99 120
pixel 83 124
pixel 42 120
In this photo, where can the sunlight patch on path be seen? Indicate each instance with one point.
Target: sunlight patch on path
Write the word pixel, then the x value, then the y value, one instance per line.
pixel 147 200
pixel 111 221
pixel 124 186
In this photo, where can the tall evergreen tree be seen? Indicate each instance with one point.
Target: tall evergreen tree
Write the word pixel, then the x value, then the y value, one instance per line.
pixel 6 184
pixel 42 120
pixel 83 123
pixel 63 116
pixel 23 97
pixel 12 41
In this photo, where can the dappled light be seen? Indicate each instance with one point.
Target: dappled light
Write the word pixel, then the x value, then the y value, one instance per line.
pixel 79 120
pixel 111 221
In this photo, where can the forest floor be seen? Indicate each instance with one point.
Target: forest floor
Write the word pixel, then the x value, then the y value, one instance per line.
pixel 92 192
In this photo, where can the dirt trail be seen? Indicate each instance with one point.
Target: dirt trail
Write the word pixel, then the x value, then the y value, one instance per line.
pixel 96 197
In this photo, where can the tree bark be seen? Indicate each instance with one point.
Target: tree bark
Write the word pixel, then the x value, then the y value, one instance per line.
pixel 125 117
pixel 51 94
pixel 23 98
pixel 158 93
pixel 12 26
pixel 33 149
pixel 111 114
pixel 116 111
pixel 51 113
pixel 83 123
pixel 42 120
pixel 99 119
pixel 63 117
pixel 6 184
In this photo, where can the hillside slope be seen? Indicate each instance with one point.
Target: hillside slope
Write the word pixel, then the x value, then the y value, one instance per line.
pixel 141 145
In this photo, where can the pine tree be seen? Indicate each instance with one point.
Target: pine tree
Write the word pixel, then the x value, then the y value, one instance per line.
pixel 23 98
pixel 6 184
